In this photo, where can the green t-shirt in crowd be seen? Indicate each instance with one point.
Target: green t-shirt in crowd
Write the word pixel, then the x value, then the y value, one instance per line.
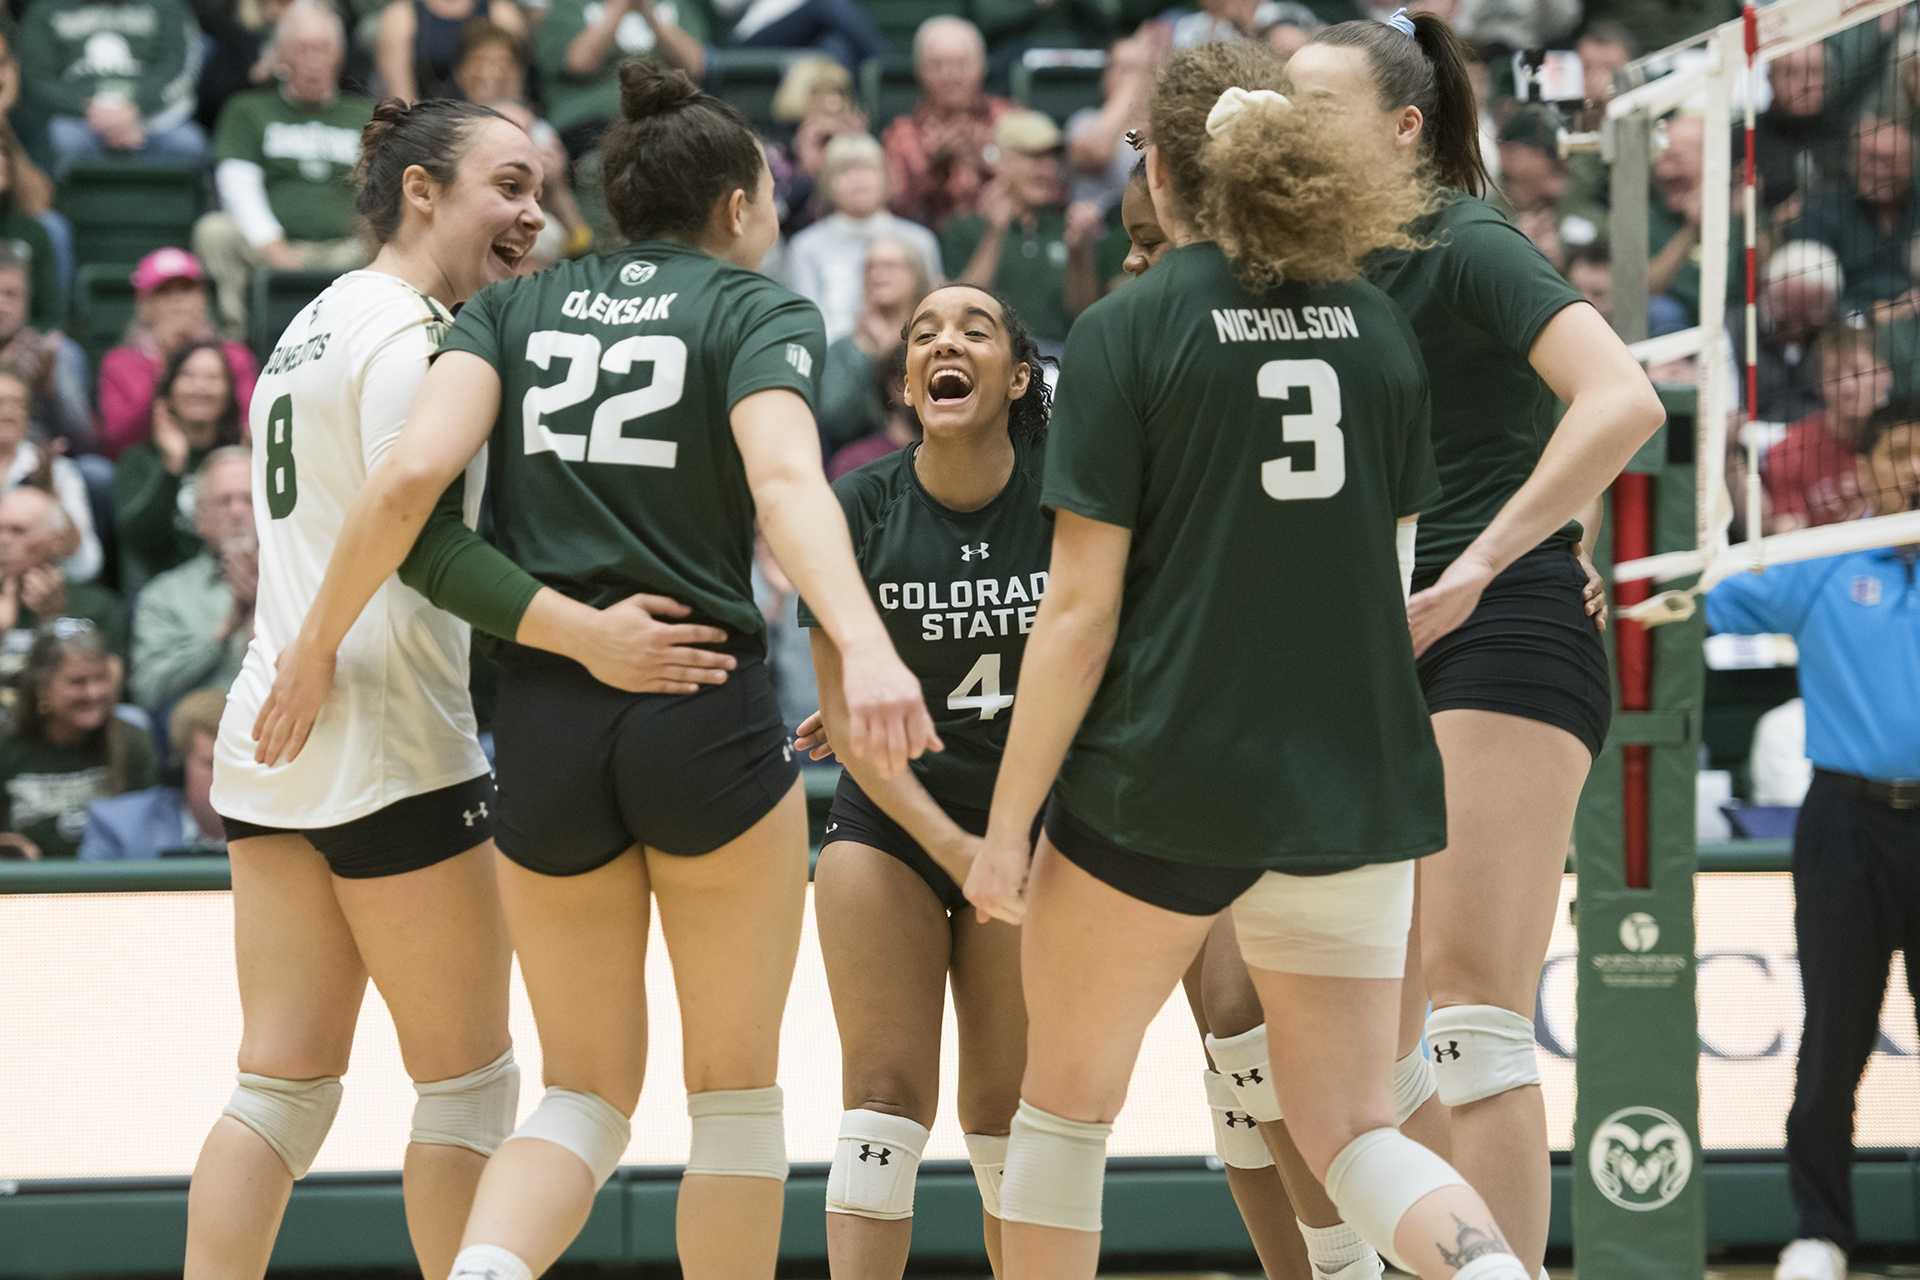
pixel 1260 707
pixel 573 100
pixel 1477 299
pixel 958 591
pixel 1032 272
pixel 308 152
pixel 88 600
pixel 154 510
pixel 75 50
pixel 613 467
pixel 45 789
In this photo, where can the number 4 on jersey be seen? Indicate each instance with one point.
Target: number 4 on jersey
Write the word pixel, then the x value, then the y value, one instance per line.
pixel 984 676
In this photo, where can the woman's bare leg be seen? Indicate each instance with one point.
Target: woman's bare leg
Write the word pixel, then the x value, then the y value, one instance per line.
pixel 991 1013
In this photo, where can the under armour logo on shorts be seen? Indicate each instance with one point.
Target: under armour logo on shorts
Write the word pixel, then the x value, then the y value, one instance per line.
pixel 1240 1119
pixel 975 552
pixel 868 1153
pixel 1449 1053
pixel 470 817
pixel 1251 1077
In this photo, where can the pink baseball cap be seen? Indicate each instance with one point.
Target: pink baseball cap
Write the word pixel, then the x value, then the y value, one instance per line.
pixel 163 267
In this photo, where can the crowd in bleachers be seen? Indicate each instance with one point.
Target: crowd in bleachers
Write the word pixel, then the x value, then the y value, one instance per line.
pixel 174 186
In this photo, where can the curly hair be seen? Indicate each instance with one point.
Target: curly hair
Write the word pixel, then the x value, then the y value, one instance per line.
pixel 1027 417
pixel 1291 191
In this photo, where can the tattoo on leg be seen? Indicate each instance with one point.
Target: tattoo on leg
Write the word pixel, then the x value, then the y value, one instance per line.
pixel 1471 1242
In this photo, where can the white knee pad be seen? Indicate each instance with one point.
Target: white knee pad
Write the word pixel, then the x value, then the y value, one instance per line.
pixel 1056 1170
pixel 875 1164
pixel 585 1124
pixel 1380 1175
pixel 1480 1050
pixel 1242 1059
pixel 1413 1084
pixel 987 1153
pixel 291 1116
pixel 1236 1134
pixel 474 1111
pixel 739 1133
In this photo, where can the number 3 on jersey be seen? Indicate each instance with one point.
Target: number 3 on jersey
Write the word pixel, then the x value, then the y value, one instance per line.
pixel 283 481
pixel 1326 472
pixel 606 439
pixel 984 675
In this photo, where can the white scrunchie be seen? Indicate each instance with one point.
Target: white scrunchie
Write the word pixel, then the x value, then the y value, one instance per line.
pixel 1234 101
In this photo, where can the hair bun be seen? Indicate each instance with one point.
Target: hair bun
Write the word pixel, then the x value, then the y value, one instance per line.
pixel 649 88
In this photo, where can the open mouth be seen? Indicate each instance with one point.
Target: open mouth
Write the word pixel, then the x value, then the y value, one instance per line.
pixel 945 386
pixel 510 254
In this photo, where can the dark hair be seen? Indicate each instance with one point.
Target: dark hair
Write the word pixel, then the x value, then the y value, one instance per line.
pixel 673 154
pixel 53 644
pixel 1427 70
pixel 1027 417
pixel 430 134
pixel 1597 253
pixel 1841 338
pixel 1139 171
pixel 480 33
pixel 1607 31
pixel 1901 412
pixel 228 431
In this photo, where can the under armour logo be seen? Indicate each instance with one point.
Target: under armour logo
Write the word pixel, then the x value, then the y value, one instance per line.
pixel 470 816
pixel 1239 1119
pixel 1450 1053
pixel 1251 1077
pixel 977 552
pixel 868 1153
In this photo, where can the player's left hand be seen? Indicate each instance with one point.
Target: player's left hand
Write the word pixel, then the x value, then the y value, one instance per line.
pixel 997 883
pixel 1594 594
pixel 811 738
pixel 1446 604
pixel 302 679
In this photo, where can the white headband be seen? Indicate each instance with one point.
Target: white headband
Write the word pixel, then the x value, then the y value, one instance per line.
pixel 1233 102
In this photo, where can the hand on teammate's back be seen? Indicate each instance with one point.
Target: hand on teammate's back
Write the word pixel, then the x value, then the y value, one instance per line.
pixel 631 649
pixel 1446 604
pixel 887 720
pixel 1594 594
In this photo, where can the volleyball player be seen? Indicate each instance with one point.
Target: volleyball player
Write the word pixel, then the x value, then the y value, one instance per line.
pixel 1240 441
pixel 647 406
pixel 1506 612
pixel 370 854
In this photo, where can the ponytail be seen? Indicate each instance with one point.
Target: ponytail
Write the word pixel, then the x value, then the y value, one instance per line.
pixel 1426 70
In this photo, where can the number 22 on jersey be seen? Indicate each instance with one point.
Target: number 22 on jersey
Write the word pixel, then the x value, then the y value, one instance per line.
pixel 606 439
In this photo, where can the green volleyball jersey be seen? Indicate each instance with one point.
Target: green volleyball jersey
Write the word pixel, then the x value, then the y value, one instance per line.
pixel 1260 707
pixel 958 591
pixel 613 467
pixel 1477 300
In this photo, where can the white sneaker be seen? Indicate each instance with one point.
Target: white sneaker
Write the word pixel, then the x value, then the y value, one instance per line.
pixel 1367 1268
pixel 1811 1260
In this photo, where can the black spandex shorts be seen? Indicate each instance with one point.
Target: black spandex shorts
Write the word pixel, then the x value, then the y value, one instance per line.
pixel 587 772
pixel 1189 888
pixel 1529 649
pixel 855 817
pixel 405 836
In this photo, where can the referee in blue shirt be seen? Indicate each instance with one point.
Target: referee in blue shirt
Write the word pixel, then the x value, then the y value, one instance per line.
pixel 1856 847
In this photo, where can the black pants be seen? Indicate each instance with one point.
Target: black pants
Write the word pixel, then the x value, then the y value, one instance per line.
pixel 1856 886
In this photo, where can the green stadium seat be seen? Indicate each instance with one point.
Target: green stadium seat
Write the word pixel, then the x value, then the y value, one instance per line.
pixel 102 307
pixel 887 89
pixel 1059 81
pixel 121 212
pixel 276 297
pixel 749 78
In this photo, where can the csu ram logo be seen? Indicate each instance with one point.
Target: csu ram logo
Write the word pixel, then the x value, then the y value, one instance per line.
pixel 1640 1158
pixel 637 273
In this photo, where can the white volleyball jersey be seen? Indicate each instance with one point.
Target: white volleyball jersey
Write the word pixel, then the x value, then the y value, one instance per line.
pixel 330 402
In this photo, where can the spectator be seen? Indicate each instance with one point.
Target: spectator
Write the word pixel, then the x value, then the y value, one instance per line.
pixel 579 45
pixel 1673 226
pixel 26 238
pixel 1516 24
pixel 1097 146
pixel 1605 49
pixel 1800 292
pixel 1216 20
pixel 419 42
pixel 114 78
pixel 170 311
pixel 1022 244
pixel 899 427
pixel 1287 27
pixel 841 29
pixel 285 156
pixel 67 748
pixel 491 65
pixel 1855 878
pixel 1797 141
pixel 194 414
pixel 166 819
pixel 1810 475
pixel 1542 226
pixel 192 624
pixel 1590 270
pixel 825 262
pixel 893 278
pixel 36 538
pixel 937 161
pixel 1871 220
pixel 23 462
pixel 53 365
pixel 815 103
pixel 32 191
pixel 239 36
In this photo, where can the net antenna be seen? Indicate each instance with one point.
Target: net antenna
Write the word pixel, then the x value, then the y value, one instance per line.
pixel 1711 77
